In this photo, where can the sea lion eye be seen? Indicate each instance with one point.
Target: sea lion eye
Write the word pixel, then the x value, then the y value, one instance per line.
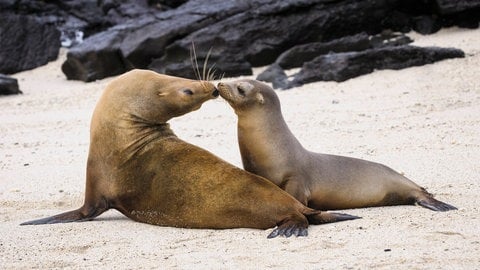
pixel 240 90
pixel 188 92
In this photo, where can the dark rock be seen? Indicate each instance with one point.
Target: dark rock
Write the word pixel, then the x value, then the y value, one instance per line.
pixel 219 67
pixel 343 66
pixel 8 85
pixel 176 58
pixel 122 11
pixel 428 16
pixel 7 4
pixel 398 21
pixel 109 37
pixel 388 38
pixel 168 3
pixel 88 16
pixel 136 43
pixel 296 56
pixel 276 75
pixel 456 6
pixel 26 43
pixel 466 19
pixel 426 24
pixel 258 37
pixel 96 59
pixel 241 33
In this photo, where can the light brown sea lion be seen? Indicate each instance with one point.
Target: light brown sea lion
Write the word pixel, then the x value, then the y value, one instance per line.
pixel 138 166
pixel 320 181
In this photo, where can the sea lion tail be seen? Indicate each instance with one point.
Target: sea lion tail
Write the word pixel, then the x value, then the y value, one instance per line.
pixel 322 217
pixel 84 213
pixel 307 211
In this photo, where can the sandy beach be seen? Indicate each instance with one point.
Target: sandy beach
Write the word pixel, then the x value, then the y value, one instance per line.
pixel 422 121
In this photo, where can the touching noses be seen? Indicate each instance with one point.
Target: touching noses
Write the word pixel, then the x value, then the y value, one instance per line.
pixel 215 92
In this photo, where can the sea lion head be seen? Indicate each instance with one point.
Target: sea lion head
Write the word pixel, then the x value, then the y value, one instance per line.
pixel 154 98
pixel 248 95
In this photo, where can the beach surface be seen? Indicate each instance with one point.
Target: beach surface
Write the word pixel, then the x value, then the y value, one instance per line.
pixel 422 121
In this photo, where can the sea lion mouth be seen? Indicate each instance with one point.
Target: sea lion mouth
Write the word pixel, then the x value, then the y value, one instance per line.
pixel 216 93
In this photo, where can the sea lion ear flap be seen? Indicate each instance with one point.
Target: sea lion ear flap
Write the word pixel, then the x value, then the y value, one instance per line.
pixel 161 94
pixel 259 98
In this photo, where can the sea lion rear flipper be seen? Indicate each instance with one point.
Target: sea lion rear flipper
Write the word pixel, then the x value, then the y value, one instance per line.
pixel 329 217
pixel 425 199
pixel 84 213
pixel 435 205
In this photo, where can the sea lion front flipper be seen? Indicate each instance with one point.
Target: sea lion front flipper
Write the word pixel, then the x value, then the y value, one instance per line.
pixel 329 217
pixel 290 228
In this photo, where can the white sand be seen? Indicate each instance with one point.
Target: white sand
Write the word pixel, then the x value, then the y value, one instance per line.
pixel 423 121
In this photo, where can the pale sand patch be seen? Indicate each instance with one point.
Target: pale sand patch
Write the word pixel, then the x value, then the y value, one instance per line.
pixel 423 121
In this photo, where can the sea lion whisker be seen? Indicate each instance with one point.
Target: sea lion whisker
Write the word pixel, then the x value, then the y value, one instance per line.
pixel 205 63
pixel 208 73
pixel 214 74
pixel 193 60
pixel 204 67
pixel 211 76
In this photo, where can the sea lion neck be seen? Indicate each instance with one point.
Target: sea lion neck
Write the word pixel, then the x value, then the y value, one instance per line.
pixel 124 136
pixel 142 125
pixel 266 121
pixel 143 139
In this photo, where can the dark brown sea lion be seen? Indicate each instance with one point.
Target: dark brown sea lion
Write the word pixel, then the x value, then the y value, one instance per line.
pixel 320 181
pixel 138 166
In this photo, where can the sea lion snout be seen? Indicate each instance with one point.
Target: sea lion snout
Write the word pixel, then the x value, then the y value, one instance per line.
pixel 209 89
pixel 215 93
pixel 223 90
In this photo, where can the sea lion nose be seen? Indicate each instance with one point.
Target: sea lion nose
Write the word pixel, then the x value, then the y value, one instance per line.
pixel 215 92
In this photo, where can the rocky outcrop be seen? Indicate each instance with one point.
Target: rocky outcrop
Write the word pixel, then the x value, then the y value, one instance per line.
pixel 32 31
pixel 346 58
pixel 109 37
pixel 257 38
pixel 136 43
pixel 276 75
pixel 297 55
pixel 343 66
pixel 456 6
pixel 8 85
pixel 25 43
